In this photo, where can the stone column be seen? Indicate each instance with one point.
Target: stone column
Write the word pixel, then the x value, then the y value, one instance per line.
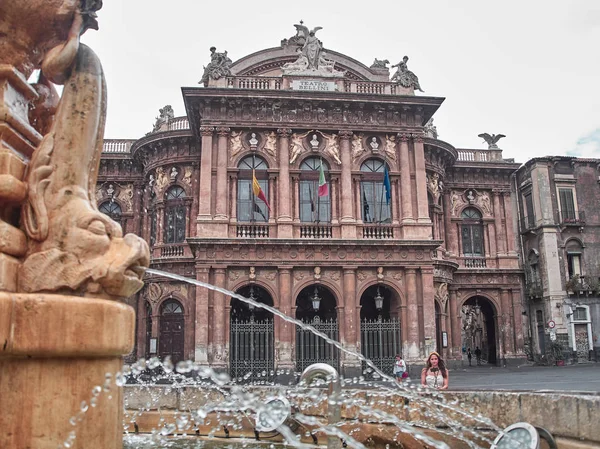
pixel 411 344
pixel 233 211
pixel 205 195
pixel 346 187
pixel 201 327
pixel 504 322
pixel 420 180
pixel 508 223
pixel 286 340
pixel 284 216
pixel 428 309
pixel 296 192
pixel 352 333
pixel 455 335
pixel 501 241
pixel 221 198
pixel 219 337
pixel 406 182
pixel 517 320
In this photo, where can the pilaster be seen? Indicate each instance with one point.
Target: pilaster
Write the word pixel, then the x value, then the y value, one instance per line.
pixel 221 198
pixel 347 218
pixel 205 194
pixel 201 327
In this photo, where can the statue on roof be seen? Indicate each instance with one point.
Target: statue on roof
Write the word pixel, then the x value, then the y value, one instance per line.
pixel 380 64
pixel 491 140
pixel 405 77
pixel 431 129
pixel 166 114
pixel 218 67
pixel 312 59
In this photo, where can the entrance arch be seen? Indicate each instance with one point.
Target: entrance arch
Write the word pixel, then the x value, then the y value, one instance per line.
pixel 380 334
pixel 316 305
pixel 251 337
pixel 479 328
pixel 171 333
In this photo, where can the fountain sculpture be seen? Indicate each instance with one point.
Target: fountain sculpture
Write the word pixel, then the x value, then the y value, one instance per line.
pixel 65 268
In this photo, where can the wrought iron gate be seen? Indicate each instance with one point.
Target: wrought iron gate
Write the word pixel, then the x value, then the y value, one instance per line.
pixel 251 348
pixel 313 349
pixel 380 342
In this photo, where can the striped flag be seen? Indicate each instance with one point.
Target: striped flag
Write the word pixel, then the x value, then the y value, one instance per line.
pixel 258 192
pixel 323 188
pixel 387 185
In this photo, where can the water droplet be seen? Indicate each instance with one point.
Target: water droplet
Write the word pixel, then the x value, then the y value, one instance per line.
pixel 84 406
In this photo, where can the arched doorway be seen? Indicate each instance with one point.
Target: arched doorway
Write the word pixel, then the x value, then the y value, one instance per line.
pixel 251 337
pixel 171 334
pixel 380 328
pixel 479 329
pixel 316 305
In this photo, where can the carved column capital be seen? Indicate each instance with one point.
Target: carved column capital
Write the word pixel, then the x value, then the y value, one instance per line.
pixel 206 130
pixel 345 135
pixel 403 137
pixel 284 132
pixel 223 131
pixel 417 137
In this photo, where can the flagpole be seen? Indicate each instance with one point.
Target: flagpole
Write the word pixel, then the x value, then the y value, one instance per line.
pixel 252 219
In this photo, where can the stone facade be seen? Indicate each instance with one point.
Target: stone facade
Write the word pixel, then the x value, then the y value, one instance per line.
pixel 442 251
pixel 558 200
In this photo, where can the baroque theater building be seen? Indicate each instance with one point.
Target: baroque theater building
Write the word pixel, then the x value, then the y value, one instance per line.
pixel 317 185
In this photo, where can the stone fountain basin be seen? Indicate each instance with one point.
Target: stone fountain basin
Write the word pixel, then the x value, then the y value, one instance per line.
pixel 572 417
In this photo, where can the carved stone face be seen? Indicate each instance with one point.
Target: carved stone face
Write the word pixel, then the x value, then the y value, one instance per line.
pixel 85 253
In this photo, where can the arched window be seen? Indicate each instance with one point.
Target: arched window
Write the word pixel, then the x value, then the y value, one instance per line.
pixel 313 207
pixel 574 252
pixel 375 208
pixel 175 215
pixel 472 232
pixel 112 209
pixel 250 208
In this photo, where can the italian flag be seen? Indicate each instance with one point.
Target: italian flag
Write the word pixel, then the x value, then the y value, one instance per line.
pixel 323 189
pixel 258 192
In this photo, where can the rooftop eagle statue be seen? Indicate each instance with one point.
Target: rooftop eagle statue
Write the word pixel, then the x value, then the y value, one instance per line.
pixel 491 139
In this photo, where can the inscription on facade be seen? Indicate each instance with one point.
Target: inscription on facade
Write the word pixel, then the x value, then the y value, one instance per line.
pixel 328 86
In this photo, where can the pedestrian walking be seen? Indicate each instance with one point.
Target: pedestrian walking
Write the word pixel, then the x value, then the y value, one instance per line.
pixel 478 355
pixel 435 374
pixel 469 355
pixel 400 368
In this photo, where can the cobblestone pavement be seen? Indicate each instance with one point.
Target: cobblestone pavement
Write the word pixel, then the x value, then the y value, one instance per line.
pixel 581 377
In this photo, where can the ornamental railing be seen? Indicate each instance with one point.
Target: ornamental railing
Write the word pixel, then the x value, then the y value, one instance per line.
pixel 117 145
pixel 479 155
pixel 378 231
pixel 474 262
pixel 254 231
pixel 315 231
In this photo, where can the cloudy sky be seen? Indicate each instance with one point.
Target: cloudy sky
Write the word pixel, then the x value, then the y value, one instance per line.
pixel 528 69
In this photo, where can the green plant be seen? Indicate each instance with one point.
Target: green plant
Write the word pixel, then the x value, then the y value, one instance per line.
pixel 555 350
pixel 574 284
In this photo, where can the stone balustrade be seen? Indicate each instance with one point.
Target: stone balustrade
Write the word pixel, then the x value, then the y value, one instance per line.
pixel 117 145
pixel 479 155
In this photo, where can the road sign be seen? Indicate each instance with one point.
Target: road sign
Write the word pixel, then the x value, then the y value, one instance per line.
pixel 552 335
pixel 551 324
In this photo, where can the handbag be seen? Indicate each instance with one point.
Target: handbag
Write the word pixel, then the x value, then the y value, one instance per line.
pixel 404 375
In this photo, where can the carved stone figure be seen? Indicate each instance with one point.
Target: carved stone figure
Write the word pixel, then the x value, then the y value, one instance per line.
pixel 312 46
pixel 390 146
pixel 442 295
pixel 271 144
pixel 332 147
pixel 218 67
pixel 151 180
pixel 380 64
pixel 430 129
pixel 110 191
pixel 252 274
pixel 374 144
pixel 126 197
pixel 357 147
pixel 470 196
pixel 380 274
pixel 299 65
pixel 483 200
pixel 67 236
pixel 405 77
pixel 317 273
pixel 314 142
pixel 253 141
pixel 173 174
pixel 165 114
pixel 434 187
pixel 235 144
pixel 491 140
pixel 297 147
pixel 187 176
pixel 455 201
pixel 162 181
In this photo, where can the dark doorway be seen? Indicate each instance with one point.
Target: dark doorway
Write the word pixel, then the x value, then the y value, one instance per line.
pixel 171 336
pixel 479 328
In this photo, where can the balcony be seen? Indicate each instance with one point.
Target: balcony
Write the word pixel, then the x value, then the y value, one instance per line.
pixel 571 218
pixel 474 262
pixel 377 231
pixel 252 231
pixel 465 155
pixel 171 250
pixel 315 231
pixel 527 223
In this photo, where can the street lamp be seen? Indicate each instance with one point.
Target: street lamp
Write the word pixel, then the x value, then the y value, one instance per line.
pixel 378 301
pixel 252 297
pixel 477 307
pixel 316 300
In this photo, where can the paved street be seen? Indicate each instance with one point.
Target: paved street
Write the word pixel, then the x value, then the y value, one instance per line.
pixel 584 378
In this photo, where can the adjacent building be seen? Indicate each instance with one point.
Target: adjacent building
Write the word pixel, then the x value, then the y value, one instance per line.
pixel 309 182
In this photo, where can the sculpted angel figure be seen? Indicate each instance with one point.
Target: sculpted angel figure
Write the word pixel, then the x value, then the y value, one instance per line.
pixel 235 143
pixel 390 146
pixel 357 147
pixel 405 77
pixel 332 147
pixel 312 46
pixel 297 146
pixel 271 144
